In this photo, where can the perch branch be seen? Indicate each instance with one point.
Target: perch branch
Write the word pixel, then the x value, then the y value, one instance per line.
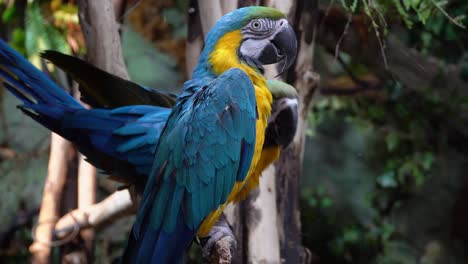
pixel 221 253
pixel 116 205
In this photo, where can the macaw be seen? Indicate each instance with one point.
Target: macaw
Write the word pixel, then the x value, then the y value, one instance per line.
pixel 102 90
pixel 121 136
pixel 214 136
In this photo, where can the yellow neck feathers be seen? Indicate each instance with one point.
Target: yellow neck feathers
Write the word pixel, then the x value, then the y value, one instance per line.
pixel 224 57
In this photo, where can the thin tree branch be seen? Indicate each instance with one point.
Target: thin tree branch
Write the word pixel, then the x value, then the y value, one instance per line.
pixel 51 199
pixel 86 198
pixel 116 205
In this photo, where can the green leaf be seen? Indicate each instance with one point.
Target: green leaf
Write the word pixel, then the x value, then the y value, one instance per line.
pixel 376 112
pixel 408 4
pixel 403 12
pixel 35 28
pixel 312 202
pixel 424 11
pixel 326 202
pixel 8 14
pixel 343 3
pixel 323 103
pixel 320 190
pixel 354 6
pixel 351 235
pixel 40 35
pixel 427 160
pixel 450 33
pixel 387 231
pixel 392 141
pixel 18 40
pixel 417 175
pixel 387 180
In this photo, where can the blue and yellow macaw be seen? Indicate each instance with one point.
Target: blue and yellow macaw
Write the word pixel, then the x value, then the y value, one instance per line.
pixel 121 155
pixel 200 155
pixel 214 136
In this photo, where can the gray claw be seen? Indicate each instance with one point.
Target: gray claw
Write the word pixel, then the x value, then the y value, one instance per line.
pixel 218 232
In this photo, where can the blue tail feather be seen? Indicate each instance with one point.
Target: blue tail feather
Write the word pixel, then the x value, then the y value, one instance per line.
pixel 159 247
pixel 34 82
pixel 94 132
pixel 121 140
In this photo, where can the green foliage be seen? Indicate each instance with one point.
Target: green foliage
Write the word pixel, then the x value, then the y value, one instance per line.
pixel 40 35
pixel 400 136
pixel 439 37
pixel 317 198
pixel 385 191
pixel 8 14
pixel 369 184
pixel 409 11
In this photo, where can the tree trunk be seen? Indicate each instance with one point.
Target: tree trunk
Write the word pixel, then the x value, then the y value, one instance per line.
pixel 289 165
pixel 97 20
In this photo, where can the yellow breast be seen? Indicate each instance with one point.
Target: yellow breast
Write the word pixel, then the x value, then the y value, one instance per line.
pixel 225 57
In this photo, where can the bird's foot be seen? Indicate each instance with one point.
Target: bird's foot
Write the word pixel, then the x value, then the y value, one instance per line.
pixel 220 241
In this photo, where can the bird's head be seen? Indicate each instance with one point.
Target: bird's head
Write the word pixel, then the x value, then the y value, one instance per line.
pixel 250 36
pixel 282 123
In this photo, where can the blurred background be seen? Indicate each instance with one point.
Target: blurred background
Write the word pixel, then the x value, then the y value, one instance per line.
pixel 384 174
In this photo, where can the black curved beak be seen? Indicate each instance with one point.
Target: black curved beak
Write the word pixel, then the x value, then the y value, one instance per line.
pixel 282 124
pixel 282 48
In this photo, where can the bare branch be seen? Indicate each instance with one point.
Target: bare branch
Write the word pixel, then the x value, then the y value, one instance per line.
pixel 116 205
pixel 51 199
pixel 86 198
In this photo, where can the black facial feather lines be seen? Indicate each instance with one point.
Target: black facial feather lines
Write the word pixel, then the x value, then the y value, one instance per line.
pixel 266 26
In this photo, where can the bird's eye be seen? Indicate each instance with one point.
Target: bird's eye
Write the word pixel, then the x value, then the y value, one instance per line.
pixel 256 25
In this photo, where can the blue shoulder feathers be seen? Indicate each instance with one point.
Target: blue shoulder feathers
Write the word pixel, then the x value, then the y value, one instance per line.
pixel 206 146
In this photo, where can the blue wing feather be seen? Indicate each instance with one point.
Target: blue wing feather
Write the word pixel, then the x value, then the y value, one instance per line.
pixel 120 141
pixel 201 153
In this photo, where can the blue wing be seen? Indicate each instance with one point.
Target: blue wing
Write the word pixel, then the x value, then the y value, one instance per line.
pixel 120 141
pixel 206 146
